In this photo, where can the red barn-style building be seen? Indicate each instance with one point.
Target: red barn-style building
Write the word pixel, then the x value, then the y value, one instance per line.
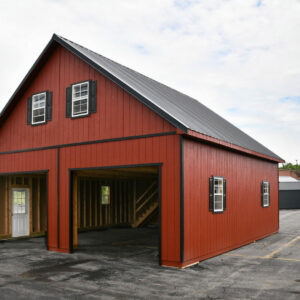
pixel 88 143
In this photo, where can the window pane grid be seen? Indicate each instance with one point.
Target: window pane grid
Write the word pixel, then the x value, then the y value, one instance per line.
pixel 19 202
pixel 38 108
pixel 80 99
pixel 266 194
pixel 218 194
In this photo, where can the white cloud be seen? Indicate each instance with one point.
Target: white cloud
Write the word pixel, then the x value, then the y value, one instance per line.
pixel 240 58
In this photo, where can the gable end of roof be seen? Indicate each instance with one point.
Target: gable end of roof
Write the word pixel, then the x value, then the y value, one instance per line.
pixel 124 86
pixel 180 110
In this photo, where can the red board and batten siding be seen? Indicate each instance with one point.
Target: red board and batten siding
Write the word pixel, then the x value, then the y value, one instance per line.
pixel 164 149
pixel 207 234
pixel 118 113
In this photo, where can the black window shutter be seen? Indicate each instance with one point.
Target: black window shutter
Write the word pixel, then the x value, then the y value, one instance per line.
pixel 69 101
pixel 92 96
pixel 262 194
pixel 48 106
pixel 29 110
pixel 211 194
pixel 224 194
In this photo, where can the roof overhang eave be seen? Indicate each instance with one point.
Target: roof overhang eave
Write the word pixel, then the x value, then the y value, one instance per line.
pixel 208 139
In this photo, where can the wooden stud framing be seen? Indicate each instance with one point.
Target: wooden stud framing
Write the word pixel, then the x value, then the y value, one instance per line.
pixel 75 225
pixel 84 203
pixel 90 203
pixel 30 206
pixel 36 202
pixel 78 203
pixel 134 202
pixel 9 197
pixel 122 210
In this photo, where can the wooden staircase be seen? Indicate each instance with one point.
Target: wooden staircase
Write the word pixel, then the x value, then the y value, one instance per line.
pixel 146 205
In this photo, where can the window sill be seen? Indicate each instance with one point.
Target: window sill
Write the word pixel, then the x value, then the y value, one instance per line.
pixel 80 116
pixel 218 211
pixel 37 124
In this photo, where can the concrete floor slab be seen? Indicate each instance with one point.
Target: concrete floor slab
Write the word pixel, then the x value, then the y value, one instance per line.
pixel 127 268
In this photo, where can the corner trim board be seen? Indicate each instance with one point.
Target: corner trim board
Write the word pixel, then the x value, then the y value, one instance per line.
pixel 71 211
pixel 181 200
pixel 159 213
pixel 58 212
pixel 47 209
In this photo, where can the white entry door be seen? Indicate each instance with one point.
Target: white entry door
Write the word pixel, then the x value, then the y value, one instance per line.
pixel 20 219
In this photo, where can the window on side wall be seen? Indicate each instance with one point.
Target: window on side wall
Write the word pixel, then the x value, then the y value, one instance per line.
pixel 217 194
pixel 265 194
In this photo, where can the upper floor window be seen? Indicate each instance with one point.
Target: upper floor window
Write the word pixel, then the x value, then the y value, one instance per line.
pixel 217 194
pixel 81 99
pixel 39 108
pixel 265 193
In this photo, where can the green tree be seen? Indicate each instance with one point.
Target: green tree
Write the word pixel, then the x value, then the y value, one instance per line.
pixel 289 166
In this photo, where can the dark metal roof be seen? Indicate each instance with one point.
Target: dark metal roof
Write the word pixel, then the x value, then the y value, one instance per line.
pixel 184 110
pixel 179 109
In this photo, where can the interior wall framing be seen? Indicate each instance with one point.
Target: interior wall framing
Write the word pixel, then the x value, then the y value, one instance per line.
pixel 37 202
pixel 122 209
pixel 134 199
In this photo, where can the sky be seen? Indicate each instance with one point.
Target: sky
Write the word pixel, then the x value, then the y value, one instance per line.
pixel 239 58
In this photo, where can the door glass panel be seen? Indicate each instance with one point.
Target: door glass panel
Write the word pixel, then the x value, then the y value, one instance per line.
pixel 19 202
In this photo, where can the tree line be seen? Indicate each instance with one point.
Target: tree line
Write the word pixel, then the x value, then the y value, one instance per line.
pixel 289 166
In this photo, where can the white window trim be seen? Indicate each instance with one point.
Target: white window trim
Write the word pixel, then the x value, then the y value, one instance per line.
pixel 32 109
pixel 217 194
pixel 268 193
pixel 80 98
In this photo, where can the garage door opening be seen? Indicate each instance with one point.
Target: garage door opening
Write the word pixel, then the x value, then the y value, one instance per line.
pixel 23 206
pixel 116 211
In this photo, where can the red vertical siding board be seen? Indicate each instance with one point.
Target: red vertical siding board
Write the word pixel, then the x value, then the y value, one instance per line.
pixel 101 101
pixel 114 115
pixel 62 133
pixel 164 218
pixel 118 115
pixel 206 234
pixel 97 119
pixel 170 210
pixel 62 199
pixel 170 195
